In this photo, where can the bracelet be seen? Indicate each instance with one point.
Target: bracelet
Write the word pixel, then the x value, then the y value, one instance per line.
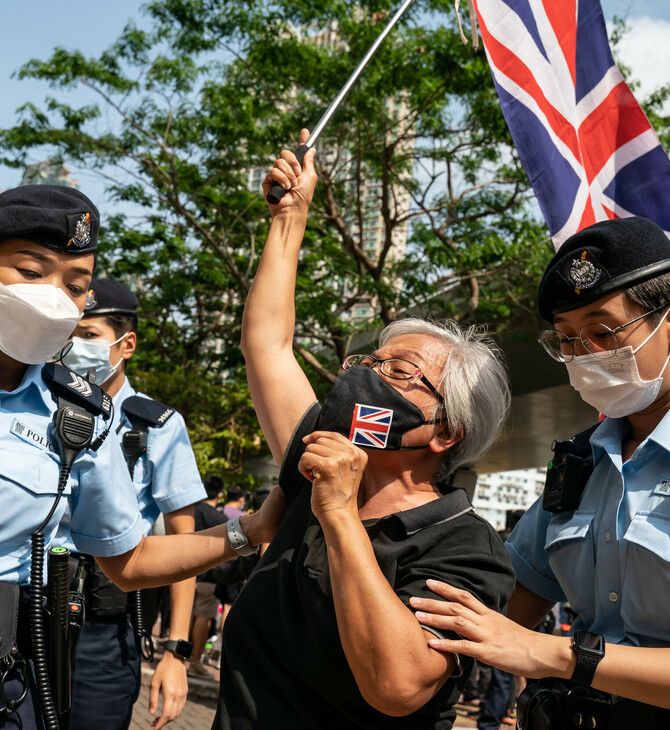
pixel 238 540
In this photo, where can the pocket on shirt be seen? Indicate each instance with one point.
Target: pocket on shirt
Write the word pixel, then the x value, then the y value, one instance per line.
pixel 646 579
pixel 569 545
pixel 36 471
pixel 35 476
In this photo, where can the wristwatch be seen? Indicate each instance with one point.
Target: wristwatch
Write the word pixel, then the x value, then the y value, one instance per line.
pixel 590 649
pixel 181 648
pixel 238 540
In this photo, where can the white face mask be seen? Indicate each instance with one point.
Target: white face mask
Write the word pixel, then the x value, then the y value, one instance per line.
pixel 35 321
pixel 613 385
pixel 86 355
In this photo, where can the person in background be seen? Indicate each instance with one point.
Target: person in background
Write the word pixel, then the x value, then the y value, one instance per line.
pixel 236 498
pixel 161 463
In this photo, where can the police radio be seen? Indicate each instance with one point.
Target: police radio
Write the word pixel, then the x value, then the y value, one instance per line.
pixel 79 403
pixel 568 471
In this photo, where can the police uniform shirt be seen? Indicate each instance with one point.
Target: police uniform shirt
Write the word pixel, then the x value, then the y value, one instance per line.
pixel 166 478
pixel 105 520
pixel 611 556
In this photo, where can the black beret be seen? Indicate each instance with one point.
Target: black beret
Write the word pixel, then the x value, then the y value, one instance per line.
pixel 610 255
pixel 109 297
pixel 55 216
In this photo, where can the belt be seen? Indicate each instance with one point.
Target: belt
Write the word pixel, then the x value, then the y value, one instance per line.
pixel 554 704
pixel 23 634
pixel 104 600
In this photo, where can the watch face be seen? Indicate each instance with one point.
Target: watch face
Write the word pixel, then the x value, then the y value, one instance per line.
pixel 588 643
pixel 180 647
pixel 184 648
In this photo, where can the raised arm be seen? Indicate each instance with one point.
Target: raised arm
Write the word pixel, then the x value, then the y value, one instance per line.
pixel 280 390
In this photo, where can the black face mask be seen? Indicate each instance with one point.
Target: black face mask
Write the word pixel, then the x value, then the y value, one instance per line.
pixel 371 413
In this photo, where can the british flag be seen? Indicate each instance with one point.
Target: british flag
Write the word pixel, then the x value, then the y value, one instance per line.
pixel 587 146
pixel 370 426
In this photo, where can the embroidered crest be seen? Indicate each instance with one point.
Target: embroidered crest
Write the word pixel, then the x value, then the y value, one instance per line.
pixel 663 488
pixel 91 301
pixel 584 273
pixel 82 231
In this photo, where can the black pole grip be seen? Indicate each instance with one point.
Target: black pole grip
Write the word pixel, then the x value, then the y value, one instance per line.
pixel 58 595
pixel 277 192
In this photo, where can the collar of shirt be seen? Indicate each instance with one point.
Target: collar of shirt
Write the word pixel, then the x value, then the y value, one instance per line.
pixel 612 431
pixel 126 391
pixel 451 504
pixel 32 386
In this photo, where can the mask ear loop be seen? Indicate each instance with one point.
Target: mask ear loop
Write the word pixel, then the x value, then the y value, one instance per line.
pixel 111 344
pixel 65 351
pixel 656 329
pixel 116 342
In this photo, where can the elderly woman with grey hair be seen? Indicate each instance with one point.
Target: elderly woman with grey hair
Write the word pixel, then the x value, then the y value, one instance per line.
pixel 322 636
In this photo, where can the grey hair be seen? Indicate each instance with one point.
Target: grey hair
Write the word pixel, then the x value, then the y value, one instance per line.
pixel 650 295
pixel 474 382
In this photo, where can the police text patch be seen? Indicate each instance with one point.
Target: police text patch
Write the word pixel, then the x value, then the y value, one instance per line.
pixel 32 437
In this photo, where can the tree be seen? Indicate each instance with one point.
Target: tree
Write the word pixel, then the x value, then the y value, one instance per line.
pixel 208 96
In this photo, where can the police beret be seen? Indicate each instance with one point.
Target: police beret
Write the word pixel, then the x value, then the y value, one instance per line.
pixel 56 216
pixel 109 297
pixel 610 255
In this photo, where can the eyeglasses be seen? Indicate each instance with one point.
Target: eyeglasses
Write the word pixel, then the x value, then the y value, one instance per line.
pixel 597 339
pixel 392 367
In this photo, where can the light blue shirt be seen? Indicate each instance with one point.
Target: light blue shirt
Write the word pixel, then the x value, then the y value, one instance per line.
pixel 611 557
pixel 165 478
pixel 105 520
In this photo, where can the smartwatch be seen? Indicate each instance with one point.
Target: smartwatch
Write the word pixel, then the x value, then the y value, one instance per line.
pixel 179 647
pixel 238 540
pixel 590 649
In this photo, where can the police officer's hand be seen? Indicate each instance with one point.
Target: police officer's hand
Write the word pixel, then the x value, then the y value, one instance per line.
pixel 299 181
pixel 169 680
pixel 490 637
pixel 335 467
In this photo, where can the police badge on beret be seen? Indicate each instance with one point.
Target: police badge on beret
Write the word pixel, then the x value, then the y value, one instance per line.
pixel 91 301
pixel 79 225
pixel 583 272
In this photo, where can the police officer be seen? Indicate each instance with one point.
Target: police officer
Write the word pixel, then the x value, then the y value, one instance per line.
pixel 48 236
pixel 48 239
pixel 107 672
pixel 602 545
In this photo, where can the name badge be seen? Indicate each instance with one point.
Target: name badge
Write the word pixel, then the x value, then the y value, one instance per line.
pixel 663 488
pixel 32 437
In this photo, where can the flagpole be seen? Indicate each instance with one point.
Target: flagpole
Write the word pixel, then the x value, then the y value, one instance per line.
pixel 277 191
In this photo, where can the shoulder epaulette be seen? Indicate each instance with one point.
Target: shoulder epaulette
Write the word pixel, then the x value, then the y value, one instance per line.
pixel 147 409
pixel 65 383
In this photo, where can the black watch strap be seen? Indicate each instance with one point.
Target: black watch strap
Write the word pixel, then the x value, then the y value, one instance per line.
pixel 590 649
pixel 181 648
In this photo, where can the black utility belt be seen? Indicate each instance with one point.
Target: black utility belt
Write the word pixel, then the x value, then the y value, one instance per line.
pixel 553 704
pixel 103 598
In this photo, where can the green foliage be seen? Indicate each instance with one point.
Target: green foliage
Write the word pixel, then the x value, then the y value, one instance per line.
pixel 177 118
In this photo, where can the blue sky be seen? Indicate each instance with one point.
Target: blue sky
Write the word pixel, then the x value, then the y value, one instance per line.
pixel 32 28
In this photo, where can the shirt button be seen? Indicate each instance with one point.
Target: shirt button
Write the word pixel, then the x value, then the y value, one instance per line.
pixel 608 536
pixel 614 597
